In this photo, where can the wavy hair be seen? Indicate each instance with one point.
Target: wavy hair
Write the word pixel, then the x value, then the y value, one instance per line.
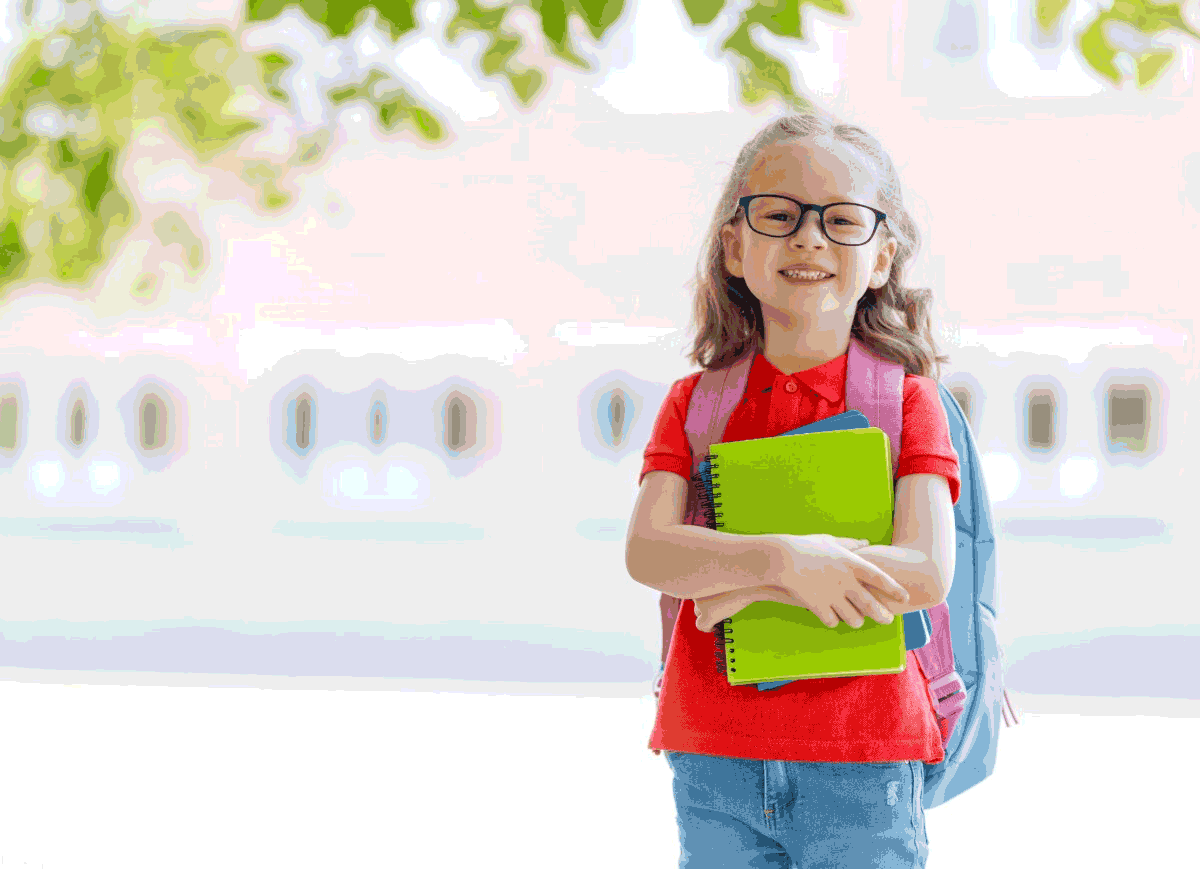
pixel 894 321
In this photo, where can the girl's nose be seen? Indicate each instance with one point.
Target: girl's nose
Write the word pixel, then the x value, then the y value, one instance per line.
pixel 809 233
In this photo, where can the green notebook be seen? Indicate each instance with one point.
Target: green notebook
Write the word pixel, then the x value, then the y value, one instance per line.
pixel 838 483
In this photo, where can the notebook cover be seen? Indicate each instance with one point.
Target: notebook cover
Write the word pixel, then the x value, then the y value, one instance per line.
pixel 834 482
pixel 917 625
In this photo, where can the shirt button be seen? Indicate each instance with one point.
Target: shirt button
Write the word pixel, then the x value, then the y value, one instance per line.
pixel 791 386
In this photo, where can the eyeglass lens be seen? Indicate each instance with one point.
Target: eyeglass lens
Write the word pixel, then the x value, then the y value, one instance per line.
pixel 844 223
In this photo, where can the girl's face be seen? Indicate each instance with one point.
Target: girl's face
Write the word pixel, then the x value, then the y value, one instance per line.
pixel 817 171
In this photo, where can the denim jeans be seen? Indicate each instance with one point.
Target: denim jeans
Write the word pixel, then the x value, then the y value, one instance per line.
pixel 775 814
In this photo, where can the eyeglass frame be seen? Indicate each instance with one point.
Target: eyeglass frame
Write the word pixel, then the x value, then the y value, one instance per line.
pixel 805 207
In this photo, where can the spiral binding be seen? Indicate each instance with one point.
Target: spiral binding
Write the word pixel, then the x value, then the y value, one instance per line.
pixel 724 640
pixel 707 492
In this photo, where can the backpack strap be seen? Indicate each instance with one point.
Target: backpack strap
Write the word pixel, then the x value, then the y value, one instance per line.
pixel 715 396
pixel 946 688
pixel 875 386
pixel 713 399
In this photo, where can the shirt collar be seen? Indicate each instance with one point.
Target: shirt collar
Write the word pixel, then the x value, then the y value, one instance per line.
pixel 827 380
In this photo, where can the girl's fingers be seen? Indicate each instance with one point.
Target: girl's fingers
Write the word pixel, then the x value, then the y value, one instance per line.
pixel 871 608
pixel 871 575
pixel 826 616
pixel 848 614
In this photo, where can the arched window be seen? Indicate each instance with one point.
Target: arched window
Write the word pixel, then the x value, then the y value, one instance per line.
pixel 1128 417
pixel 377 422
pixel 965 400
pixel 1041 420
pixel 459 422
pixel 303 422
pixel 9 417
pixel 456 424
pixel 153 423
pixel 617 408
pixel 77 431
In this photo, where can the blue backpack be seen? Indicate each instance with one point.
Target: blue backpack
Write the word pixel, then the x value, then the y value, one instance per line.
pixel 962 663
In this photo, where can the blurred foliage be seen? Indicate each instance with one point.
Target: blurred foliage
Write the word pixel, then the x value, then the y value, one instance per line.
pixel 340 17
pixel 67 111
pixel 392 107
pixel 1143 16
pixel 499 59
pixel 760 74
pixel 74 97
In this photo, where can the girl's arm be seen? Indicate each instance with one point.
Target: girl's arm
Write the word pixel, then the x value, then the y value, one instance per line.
pixel 920 558
pixel 686 561
pixel 815 571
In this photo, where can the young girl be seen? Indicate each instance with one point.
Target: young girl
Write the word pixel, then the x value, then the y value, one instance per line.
pixel 806 251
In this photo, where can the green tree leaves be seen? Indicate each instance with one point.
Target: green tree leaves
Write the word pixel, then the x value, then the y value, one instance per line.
pixel 499 58
pixel 1144 16
pixel 340 17
pixel 68 109
pixel 760 74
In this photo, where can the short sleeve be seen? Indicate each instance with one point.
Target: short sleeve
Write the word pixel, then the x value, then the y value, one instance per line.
pixel 668 449
pixel 925 446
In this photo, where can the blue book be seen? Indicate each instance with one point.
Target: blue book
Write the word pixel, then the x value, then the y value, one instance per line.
pixel 918 627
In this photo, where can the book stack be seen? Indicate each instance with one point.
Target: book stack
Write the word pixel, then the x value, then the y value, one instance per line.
pixel 833 477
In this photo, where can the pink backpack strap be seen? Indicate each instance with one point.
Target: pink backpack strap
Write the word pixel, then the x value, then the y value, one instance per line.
pixel 714 397
pixel 946 688
pixel 875 387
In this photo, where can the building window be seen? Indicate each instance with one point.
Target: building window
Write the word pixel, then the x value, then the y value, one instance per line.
pixel 78 429
pixel 456 424
pixel 460 422
pixel 615 417
pixel 963 396
pixel 1041 419
pixel 153 423
pixel 1129 410
pixel 303 422
pixel 617 412
pixel 377 423
pixel 9 417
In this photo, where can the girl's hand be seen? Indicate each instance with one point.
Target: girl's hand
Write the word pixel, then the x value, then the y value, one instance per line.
pixel 827 578
pixel 713 609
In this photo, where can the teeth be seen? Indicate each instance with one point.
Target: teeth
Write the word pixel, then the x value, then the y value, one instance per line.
pixel 806 275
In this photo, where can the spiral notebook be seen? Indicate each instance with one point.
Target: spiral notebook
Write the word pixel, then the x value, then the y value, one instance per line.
pixel 918 627
pixel 831 482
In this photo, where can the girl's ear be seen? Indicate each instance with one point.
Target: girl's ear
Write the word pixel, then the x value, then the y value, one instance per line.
pixel 731 241
pixel 883 263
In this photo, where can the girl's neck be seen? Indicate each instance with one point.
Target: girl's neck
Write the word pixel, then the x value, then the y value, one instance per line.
pixel 803 345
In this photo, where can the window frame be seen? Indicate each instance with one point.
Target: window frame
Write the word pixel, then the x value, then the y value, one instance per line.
pixel 13 394
pixel 472 420
pixel 963 380
pixel 1028 389
pixel 291 422
pixel 1156 422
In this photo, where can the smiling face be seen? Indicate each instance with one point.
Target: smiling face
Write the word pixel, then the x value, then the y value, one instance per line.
pixel 817 171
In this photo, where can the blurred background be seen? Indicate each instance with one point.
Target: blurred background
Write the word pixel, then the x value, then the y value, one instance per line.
pixel 331 336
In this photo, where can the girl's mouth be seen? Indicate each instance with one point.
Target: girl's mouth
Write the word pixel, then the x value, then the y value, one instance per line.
pixel 805 276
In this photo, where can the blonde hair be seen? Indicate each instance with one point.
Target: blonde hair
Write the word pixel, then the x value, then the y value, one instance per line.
pixel 894 322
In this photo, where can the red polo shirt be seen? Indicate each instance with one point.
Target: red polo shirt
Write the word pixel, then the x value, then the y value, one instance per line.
pixel 847 720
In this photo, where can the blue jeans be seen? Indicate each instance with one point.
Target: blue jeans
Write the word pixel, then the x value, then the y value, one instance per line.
pixel 776 814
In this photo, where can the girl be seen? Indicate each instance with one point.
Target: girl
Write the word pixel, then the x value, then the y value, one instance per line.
pixel 806 251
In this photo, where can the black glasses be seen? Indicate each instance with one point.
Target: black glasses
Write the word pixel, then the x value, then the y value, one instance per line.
pixel 846 223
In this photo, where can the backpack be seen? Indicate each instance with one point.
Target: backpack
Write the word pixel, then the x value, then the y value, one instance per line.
pixel 961 663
